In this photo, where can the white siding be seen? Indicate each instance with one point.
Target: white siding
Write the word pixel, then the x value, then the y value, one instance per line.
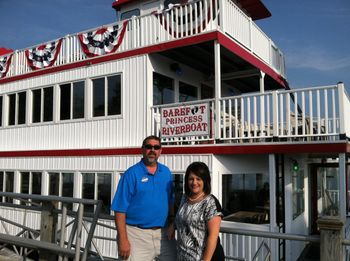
pixel 125 130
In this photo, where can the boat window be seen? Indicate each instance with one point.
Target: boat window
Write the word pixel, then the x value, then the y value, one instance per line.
pixel 72 100
pixel 1 182
pixel 1 113
pixel 298 192
pixel 163 89
pixel 97 186
pixel 12 109
pixel 67 187
pixel 187 92
pixel 178 182
pixel 30 183
pixel 107 96
pixel 61 184
pixel 9 184
pixel 48 104
pixel 246 198
pixel 17 108
pixel 42 108
pixel 129 14
pixel 328 191
pixel 54 184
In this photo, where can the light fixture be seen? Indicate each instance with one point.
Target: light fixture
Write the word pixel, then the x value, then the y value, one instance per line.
pixel 175 67
pixel 295 166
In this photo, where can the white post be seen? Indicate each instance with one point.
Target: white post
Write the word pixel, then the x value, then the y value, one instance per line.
pixel 272 213
pixel 341 94
pixel 275 113
pixel 217 61
pixel 262 103
pixel 342 185
pixel 220 13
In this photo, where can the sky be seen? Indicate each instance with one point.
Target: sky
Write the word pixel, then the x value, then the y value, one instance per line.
pixel 314 35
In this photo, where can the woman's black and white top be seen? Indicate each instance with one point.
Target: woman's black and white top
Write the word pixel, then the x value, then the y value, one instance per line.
pixel 191 224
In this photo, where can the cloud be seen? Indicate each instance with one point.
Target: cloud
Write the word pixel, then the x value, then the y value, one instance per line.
pixel 317 59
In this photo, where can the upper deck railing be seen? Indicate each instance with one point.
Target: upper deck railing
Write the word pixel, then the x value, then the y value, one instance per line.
pixel 309 114
pixel 177 22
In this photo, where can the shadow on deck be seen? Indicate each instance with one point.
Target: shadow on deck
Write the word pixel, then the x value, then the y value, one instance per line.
pixel 310 253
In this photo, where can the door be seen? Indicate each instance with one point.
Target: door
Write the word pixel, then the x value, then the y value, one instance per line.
pixel 324 192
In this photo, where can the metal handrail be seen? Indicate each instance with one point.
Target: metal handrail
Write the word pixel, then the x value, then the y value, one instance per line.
pixel 48 207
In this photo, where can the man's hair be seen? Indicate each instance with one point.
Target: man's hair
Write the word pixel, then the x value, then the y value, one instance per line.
pixel 151 137
pixel 201 170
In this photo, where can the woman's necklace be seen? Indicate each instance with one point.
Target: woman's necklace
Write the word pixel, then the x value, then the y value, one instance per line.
pixel 196 198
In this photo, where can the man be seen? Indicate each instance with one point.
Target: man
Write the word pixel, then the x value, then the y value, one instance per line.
pixel 142 203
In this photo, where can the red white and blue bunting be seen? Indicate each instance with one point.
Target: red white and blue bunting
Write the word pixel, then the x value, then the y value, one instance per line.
pixel 44 55
pixel 5 62
pixel 194 18
pixel 102 41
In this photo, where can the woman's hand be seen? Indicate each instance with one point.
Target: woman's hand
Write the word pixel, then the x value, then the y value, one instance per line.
pixel 171 231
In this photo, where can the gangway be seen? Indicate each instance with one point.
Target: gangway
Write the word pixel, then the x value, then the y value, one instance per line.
pixel 58 235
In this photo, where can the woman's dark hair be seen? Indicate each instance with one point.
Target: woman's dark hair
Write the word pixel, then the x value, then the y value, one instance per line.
pixel 201 170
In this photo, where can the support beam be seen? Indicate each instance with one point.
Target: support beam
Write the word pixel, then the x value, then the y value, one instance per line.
pixel 217 55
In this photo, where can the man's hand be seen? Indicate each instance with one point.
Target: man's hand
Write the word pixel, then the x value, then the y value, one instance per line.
pixel 123 248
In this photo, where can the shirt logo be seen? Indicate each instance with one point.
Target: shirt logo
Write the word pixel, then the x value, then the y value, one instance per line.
pixel 144 179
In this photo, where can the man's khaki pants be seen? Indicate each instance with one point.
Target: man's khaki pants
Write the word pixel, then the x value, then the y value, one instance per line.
pixel 150 244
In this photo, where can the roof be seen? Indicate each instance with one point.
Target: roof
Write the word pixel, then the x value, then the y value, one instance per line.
pixel 5 51
pixel 254 8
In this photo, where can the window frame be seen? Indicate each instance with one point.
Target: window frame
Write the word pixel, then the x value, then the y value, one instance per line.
pixel 106 96
pixel 96 187
pixel 72 105
pixel 42 105
pixel 16 108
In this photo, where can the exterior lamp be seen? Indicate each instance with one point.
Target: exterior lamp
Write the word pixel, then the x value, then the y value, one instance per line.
pixel 295 166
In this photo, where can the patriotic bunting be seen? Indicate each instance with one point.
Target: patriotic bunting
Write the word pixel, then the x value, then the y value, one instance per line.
pixel 194 18
pixel 44 55
pixel 5 62
pixel 102 41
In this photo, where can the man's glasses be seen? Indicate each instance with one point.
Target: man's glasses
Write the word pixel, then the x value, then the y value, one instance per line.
pixel 149 147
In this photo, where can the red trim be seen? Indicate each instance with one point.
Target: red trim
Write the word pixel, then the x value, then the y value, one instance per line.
pixel 241 52
pixel 223 40
pixel 118 3
pixel 194 150
pixel 4 51
pixel 115 56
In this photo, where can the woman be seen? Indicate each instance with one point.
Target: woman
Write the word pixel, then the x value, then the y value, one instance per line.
pixel 198 218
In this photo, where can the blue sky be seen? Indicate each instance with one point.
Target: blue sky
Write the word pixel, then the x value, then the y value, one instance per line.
pixel 314 35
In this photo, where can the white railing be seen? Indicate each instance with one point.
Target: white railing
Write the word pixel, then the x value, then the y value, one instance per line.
pixel 304 114
pixel 178 22
pixel 243 30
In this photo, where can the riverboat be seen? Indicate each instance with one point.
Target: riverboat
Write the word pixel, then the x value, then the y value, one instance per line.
pixel 204 77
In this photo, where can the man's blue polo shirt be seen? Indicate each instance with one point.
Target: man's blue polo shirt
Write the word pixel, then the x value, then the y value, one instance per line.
pixel 144 197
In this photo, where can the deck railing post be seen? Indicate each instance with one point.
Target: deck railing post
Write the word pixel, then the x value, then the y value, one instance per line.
pixel 341 94
pixel 275 113
pixel 332 233
pixel 47 229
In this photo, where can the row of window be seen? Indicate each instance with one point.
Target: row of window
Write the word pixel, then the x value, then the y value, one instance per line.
pixel 96 186
pixel 38 105
pixel 240 192
pixel 164 91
